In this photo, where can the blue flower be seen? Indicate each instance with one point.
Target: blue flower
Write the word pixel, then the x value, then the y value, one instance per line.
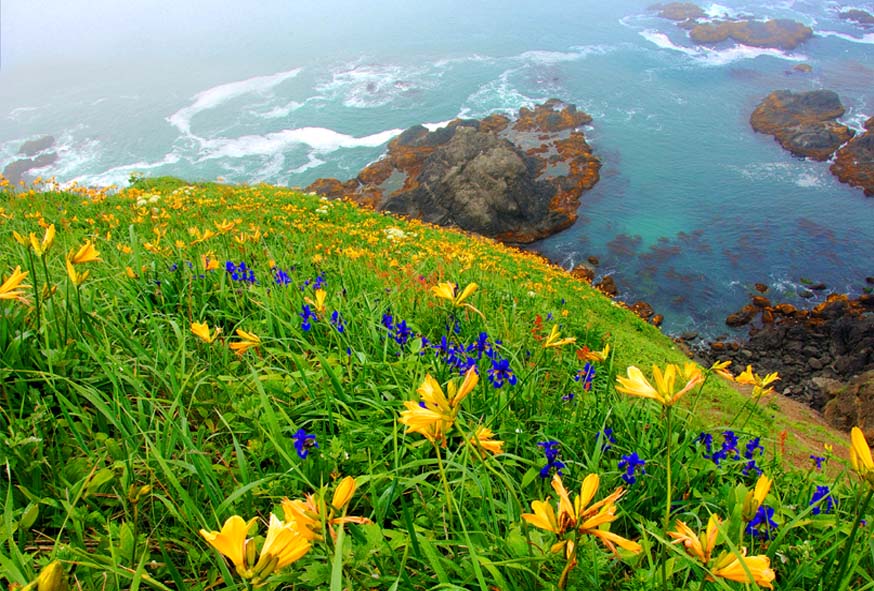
pixel 823 500
pixel 337 322
pixel 551 451
pixel 304 442
pixel 609 439
pixel 630 463
pixel 752 446
pixel 586 375
pixel 817 460
pixel 500 372
pixel 707 440
pixel 751 466
pixel 402 333
pixel 306 315
pixel 762 523
pixel 280 276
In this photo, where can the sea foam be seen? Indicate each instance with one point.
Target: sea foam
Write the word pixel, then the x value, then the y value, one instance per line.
pixel 708 56
pixel 867 39
pixel 215 96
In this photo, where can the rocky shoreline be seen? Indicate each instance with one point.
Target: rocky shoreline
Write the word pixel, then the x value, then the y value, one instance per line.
pixel 516 180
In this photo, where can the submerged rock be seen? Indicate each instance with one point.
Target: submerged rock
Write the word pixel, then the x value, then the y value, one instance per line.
pixel 679 11
pixel 803 122
pixel 514 180
pixel 858 16
pixel 854 163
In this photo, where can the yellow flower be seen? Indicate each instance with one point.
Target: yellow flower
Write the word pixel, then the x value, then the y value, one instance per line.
pixel 52 578
pixel 720 368
pixel 756 497
pixel 40 247
pixel 209 262
pixel 735 568
pixel 86 254
pixel 695 546
pixel 553 339
pixel 758 382
pixel 637 385
pixel 585 354
pixel 343 493
pixel 449 291
pixel 482 440
pixel 579 515
pixel 202 331
pixel 434 415
pixel 282 546
pixel 860 456
pixel 224 225
pixel 75 277
pixel 303 516
pixel 248 341
pixel 319 303
pixel 12 288
pixel 231 541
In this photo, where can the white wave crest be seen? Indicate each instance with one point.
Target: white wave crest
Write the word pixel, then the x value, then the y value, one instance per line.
pixel 498 96
pixel 708 56
pixel 373 85
pixel 867 39
pixel 215 96
pixel 119 175
pixel 319 139
pixel 555 57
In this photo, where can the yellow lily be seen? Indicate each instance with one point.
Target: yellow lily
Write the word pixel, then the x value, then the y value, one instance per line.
pixel 343 493
pixel 282 546
pixel 585 354
pixel 720 368
pixel 663 391
pixel 231 541
pixel 756 497
pixel 693 543
pixel 553 339
pixel 434 415
pixel 483 441
pixel 860 456
pixel 76 277
pixel 202 331
pixel 449 291
pixel 209 262
pixel 303 516
pixel 40 247
pixel 12 288
pixel 86 254
pixel 319 303
pixel 760 384
pixel 248 341
pixel 735 568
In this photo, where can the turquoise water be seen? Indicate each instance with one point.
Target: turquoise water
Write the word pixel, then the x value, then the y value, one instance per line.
pixel 693 207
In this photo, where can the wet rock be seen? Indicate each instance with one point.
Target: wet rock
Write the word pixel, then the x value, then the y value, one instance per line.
pixel 583 273
pixel 761 288
pixel 854 163
pixel 657 320
pixel 869 280
pixel 760 301
pixel 679 11
pixel 594 261
pixel 817 286
pixel 642 309
pixel 805 293
pixel 516 181
pixel 742 317
pixel 858 16
pixel 689 335
pixel 607 285
pixel 803 68
pixel 15 171
pixel 34 147
pixel 803 123
pixel 776 33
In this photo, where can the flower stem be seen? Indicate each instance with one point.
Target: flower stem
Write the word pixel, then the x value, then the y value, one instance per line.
pixel 446 492
pixel 667 521
pixel 838 583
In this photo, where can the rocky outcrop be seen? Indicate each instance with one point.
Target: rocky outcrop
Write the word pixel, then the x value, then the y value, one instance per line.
pixel 850 404
pixel 38 154
pixel 803 122
pixel 776 33
pixel 854 163
pixel 834 340
pixel 516 180
pixel 858 16
pixel 679 11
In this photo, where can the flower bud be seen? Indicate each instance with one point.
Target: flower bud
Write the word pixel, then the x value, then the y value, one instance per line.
pixel 52 578
pixel 343 493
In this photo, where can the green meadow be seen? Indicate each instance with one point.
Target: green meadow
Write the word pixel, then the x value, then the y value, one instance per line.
pixel 232 387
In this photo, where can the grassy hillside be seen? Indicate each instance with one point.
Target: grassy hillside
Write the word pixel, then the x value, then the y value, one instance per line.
pixel 179 354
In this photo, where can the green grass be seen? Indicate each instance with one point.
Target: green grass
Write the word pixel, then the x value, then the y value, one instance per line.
pixel 123 434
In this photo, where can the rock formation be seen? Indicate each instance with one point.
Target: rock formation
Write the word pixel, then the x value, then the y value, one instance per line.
pixel 858 16
pixel 775 33
pixel 680 11
pixel 834 340
pixel 514 180
pixel 854 163
pixel 37 154
pixel 804 122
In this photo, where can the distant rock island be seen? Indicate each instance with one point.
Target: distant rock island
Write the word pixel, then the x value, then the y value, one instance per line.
pixel 858 16
pixel 516 180
pixel 805 124
pixel 37 153
pixel 774 33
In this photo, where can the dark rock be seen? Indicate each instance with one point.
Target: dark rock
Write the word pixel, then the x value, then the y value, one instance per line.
pixel 805 293
pixel 869 280
pixel 804 123
pixel 514 181
pixel 34 147
pixel 657 320
pixel 776 33
pixel 814 363
pixel 689 335
pixel 742 317
pixel 761 287
pixel 851 403
pixel 859 16
pixel 803 68
pixel 854 163
pixel 817 286
pixel 583 273
pixel 642 309
pixel 594 261
pixel 680 11
pixel 761 301
pixel 15 171
pixel 607 285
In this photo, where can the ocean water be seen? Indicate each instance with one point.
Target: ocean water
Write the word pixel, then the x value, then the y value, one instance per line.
pixel 692 209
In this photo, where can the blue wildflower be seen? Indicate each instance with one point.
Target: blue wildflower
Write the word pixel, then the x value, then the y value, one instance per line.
pixel 817 460
pixel 569 397
pixel 280 277
pixel 586 375
pixel 609 439
pixel 402 333
pixel 306 315
pixel 752 446
pixel 823 500
pixel 551 451
pixel 500 373
pixel 304 442
pixel 751 466
pixel 762 524
pixel 337 322
pixel 630 463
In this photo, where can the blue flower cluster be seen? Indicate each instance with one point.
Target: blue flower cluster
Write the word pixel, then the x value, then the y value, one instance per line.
pixel 585 376
pixel 822 500
pixel 763 524
pixel 399 332
pixel 630 463
pixel 729 450
pixel 551 450
pixel 304 442
pixel 307 318
pixel 817 461
pixel 240 272
pixel 280 277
